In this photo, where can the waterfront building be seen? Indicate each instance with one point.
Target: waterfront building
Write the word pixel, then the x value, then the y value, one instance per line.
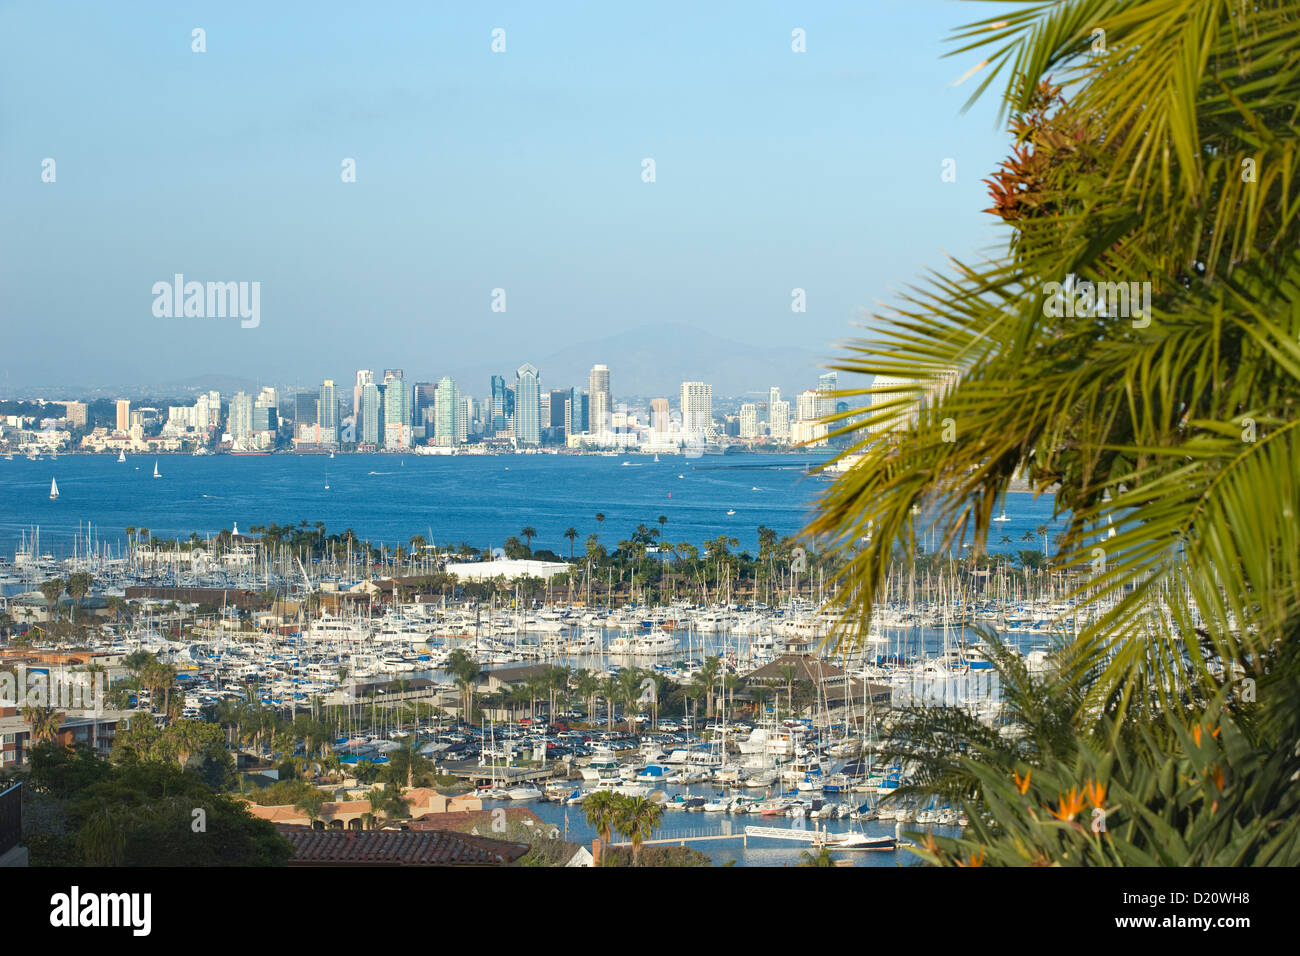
pixel 372 415
pixel 697 407
pixel 778 414
pixel 240 425
pixel 397 411
pixel 365 377
pixel 123 415
pixel 447 404
pixel 806 409
pixel 327 412
pixel 560 420
pixel 581 418
pixel 601 399
pixel 498 409
pixel 528 404
pixel 827 383
pixel 659 416
pixel 748 427
pixel 75 413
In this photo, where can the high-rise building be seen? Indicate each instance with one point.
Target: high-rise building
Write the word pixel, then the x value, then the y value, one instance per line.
pixel 601 402
pixel 426 399
pixel 697 407
pixel 75 413
pixel 773 396
pixel 581 418
pixel 806 410
pixel 748 420
pixel 464 417
pixel 397 410
pixel 447 408
pixel 827 383
pixel 498 409
pixel 241 418
pixel 365 377
pixel 778 419
pixel 659 419
pixel 327 413
pixel 123 415
pixel 372 415
pixel 528 402
pixel 561 419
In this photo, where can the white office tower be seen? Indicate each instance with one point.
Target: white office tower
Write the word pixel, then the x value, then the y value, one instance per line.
pixel 749 420
pixel 697 408
pixel 600 402
pixel 365 377
pixel 807 409
pixel 778 415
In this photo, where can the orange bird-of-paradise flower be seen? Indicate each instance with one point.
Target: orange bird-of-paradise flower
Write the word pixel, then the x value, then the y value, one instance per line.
pixel 1096 794
pixel 974 860
pixel 1216 774
pixel 1069 805
pixel 1022 785
pixel 1196 734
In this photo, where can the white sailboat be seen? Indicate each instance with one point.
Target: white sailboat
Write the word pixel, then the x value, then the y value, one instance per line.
pixel 155 469
pixel 121 455
pixel 54 489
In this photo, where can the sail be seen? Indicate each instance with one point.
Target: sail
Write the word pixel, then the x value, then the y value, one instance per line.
pixel 54 488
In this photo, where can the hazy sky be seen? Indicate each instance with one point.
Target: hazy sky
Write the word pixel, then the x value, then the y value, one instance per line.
pixel 475 170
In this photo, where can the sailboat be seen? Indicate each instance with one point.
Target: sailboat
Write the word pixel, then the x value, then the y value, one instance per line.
pixel 656 457
pixel 54 489
pixel 121 455
pixel 155 469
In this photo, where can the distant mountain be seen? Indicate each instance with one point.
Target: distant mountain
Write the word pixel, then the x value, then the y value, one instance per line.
pixel 654 360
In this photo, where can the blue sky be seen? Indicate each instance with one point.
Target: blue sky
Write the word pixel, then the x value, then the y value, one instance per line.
pixel 519 170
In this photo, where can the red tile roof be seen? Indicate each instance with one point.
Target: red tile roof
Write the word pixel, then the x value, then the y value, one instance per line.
pixel 396 848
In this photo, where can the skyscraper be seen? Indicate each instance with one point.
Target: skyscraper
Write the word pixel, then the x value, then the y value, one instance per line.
pixel 748 420
pixel 778 419
pixel 807 407
pixel 697 407
pixel 659 415
pixel 601 402
pixel 327 412
pixel 372 415
pixel 561 421
pixel 240 425
pixel 827 383
pixel 365 377
pixel 447 405
pixel 123 415
pixel 498 409
pixel 528 403
pixel 425 402
pixel 397 410
pixel 581 419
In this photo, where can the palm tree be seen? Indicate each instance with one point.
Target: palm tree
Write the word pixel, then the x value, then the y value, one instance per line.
pixel 51 590
pixel 601 809
pixel 528 532
pixel 43 721
pixel 572 534
pixel 1173 419
pixel 637 819
pixel 821 858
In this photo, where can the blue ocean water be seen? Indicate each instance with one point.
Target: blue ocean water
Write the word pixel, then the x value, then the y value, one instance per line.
pixel 388 498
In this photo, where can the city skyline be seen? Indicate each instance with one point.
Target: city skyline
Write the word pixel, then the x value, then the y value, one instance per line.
pixel 473 196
